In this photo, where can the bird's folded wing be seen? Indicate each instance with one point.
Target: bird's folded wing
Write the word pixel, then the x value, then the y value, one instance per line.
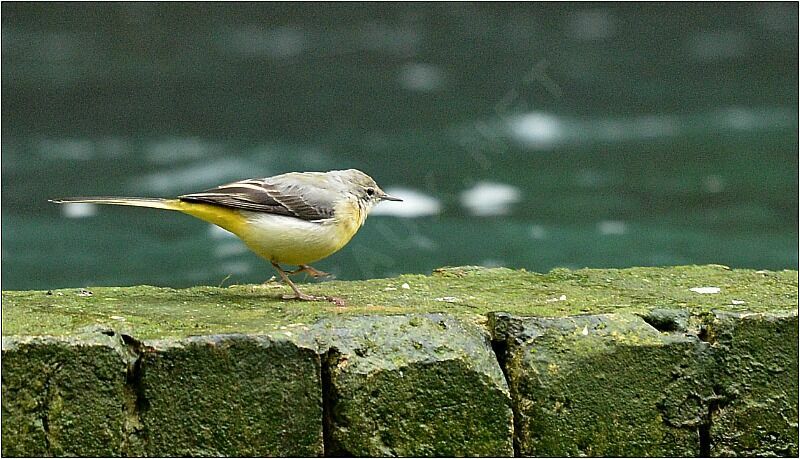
pixel 292 198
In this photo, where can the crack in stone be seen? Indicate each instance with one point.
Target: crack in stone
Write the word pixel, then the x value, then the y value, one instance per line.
pixel 500 349
pixel 45 408
pixel 135 403
pixel 330 448
pixel 715 402
pixel 501 327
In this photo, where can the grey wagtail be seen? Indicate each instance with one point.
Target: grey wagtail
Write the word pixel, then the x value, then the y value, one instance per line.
pixel 295 218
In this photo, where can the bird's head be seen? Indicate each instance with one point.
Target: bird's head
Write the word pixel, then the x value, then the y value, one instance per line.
pixel 364 189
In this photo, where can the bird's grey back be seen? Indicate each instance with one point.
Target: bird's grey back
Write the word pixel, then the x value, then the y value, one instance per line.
pixel 307 195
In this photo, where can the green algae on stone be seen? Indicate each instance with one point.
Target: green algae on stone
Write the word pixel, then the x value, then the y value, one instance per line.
pixel 603 385
pixel 64 396
pixel 756 411
pixel 415 385
pixel 581 385
pixel 469 292
pixel 231 395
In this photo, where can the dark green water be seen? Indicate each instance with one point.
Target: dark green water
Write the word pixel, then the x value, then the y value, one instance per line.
pixel 523 135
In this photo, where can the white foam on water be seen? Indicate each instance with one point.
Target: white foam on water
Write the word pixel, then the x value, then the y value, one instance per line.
pixel 545 131
pixel 644 127
pixel 382 37
pixel 592 24
pixel 421 77
pixel 590 178
pixel 718 45
pixel 77 149
pixel 489 198
pixel 538 232
pixel 276 42
pixel 610 130
pixel 172 149
pixel 287 157
pixel 612 227
pixel 415 204
pixel 114 147
pixel 79 209
pixel 200 174
pixel 423 242
pixel 537 129
pixel 235 267
pixel 229 248
pixel 714 183
pixel 746 119
pixel 654 126
pixel 66 148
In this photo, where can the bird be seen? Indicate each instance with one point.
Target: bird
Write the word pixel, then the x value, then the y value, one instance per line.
pixel 296 218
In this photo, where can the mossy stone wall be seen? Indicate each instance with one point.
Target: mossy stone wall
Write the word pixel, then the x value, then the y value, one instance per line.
pixel 605 385
pixel 64 396
pixel 466 362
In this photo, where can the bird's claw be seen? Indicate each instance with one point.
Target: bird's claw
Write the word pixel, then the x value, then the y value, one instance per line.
pixel 311 271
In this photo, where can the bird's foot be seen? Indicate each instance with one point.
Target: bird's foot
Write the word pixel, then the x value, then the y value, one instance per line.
pixel 313 272
pixel 306 297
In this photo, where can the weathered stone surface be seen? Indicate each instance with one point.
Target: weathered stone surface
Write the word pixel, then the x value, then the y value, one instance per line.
pixel 64 396
pixel 230 395
pixel 603 385
pixel 756 412
pixel 410 384
pixel 156 313
pixel 415 385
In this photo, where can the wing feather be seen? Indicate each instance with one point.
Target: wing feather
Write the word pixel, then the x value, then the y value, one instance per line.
pixel 295 195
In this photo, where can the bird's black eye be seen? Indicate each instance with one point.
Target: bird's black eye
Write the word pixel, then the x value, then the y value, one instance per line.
pixel 370 191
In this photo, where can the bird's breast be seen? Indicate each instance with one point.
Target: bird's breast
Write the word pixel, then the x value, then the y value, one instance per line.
pixel 348 217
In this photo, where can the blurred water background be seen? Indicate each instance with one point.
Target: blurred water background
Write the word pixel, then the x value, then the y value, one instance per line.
pixel 523 135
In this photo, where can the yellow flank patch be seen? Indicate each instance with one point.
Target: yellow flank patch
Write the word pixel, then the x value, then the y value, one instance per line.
pixel 224 217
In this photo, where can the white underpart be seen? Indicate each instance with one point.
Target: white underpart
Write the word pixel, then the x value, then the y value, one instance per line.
pixel 290 240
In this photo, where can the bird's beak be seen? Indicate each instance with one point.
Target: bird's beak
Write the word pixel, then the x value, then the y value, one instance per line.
pixel 386 197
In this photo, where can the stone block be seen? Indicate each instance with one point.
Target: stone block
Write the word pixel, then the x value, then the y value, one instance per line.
pixel 603 385
pixel 757 384
pixel 413 385
pixel 65 396
pixel 230 395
